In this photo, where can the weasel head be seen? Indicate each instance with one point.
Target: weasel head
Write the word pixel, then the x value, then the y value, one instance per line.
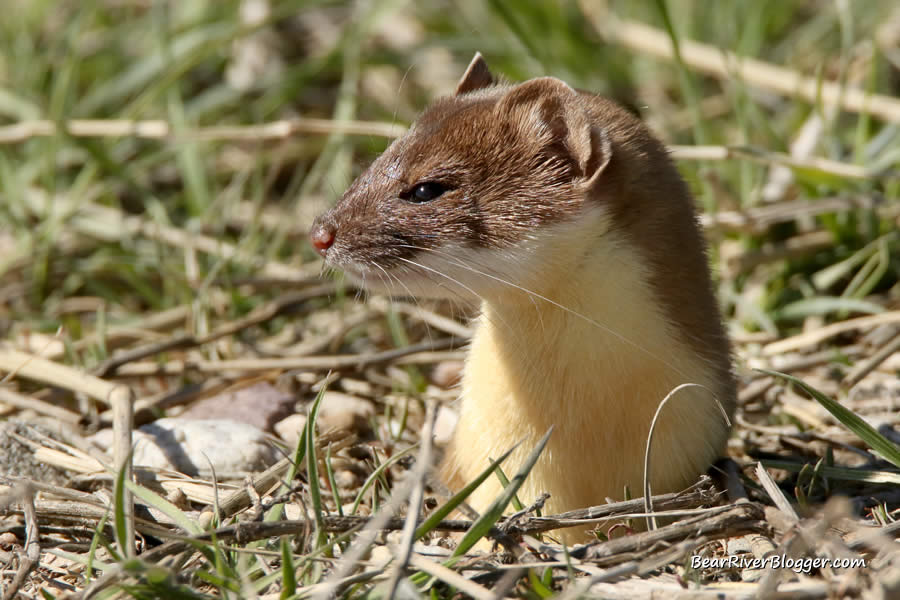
pixel 460 202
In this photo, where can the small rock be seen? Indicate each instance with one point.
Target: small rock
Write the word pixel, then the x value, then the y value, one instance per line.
pixel 293 511
pixel 179 499
pixel 380 557
pixel 7 540
pixel 290 428
pixel 447 374
pixel 261 405
pixel 444 425
pixel 103 439
pixel 346 480
pixel 190 446
pixel 888 582
pixel 752 575
pixel 394 538
pixel 345 412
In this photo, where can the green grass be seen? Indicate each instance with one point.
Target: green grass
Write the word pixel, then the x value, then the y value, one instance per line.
pixel 170 62
pixel 67 273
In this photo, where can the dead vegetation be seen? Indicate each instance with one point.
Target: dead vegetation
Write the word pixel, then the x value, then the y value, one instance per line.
pixel 152 228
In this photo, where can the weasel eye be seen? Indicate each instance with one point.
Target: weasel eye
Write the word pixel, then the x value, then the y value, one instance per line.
pixel 424 192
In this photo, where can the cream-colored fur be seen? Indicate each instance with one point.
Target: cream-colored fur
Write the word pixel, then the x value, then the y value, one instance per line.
pixel 561 214
pixel 594 357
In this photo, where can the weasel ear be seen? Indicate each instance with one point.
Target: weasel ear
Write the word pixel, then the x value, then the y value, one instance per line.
pixel 590 146
pixel 550 112
pixel 477 76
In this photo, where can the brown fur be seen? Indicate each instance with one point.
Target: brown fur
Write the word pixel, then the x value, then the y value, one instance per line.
pixel 517 160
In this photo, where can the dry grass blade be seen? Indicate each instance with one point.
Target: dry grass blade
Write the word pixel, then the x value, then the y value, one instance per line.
pixel 866 366
pixel 727 521
pixel 109 225
pixel 821 334
pixel 758 219
pixel 20 364
pixel 823 165
pixel 451 577
pixel 122 402
pixel 307 363
pixel 162 130
pixel 240 499
pixel 366 536
pixel 403 554
pixel 51 410
pixel 158 178
pixel 776 494
pixel 260 315
pixel 726 65
pixel 648 498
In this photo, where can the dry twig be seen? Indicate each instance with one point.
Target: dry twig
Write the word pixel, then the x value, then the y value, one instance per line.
pixel 726 65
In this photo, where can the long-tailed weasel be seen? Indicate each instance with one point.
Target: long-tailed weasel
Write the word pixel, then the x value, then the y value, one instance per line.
pixel 567 219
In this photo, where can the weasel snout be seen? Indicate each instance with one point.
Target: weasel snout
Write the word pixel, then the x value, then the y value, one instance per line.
pixel 322 235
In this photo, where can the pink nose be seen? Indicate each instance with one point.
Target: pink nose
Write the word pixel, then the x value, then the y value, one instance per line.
pixel 322 238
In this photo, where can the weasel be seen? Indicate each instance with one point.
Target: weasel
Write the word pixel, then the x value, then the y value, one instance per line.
pixel 566 218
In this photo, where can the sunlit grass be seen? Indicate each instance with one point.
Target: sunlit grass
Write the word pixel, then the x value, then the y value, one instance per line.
pixel 186 63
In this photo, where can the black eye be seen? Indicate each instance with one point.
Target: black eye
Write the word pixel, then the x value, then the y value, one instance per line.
pixel 424 192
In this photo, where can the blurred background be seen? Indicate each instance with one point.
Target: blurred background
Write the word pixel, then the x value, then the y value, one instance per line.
pixel 161 163
pixel 243 119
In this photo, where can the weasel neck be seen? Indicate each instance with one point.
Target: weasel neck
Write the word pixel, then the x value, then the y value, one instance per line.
pixel 593 360
pixel 589 326
pixel 596 348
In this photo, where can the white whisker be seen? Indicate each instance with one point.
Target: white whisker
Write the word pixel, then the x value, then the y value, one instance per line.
pixel 409 292
pixel 471 291
pixel 454 260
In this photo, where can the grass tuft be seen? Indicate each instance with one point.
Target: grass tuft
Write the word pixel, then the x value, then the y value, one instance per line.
pixel 160 166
